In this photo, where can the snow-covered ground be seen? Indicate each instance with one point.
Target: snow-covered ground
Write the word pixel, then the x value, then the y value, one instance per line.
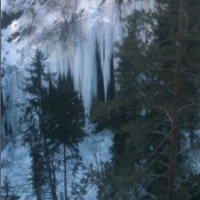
pixel 16 163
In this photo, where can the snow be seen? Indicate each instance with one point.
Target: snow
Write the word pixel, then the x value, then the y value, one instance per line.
pixel 193 159
pixel 3 3
pixel 94 24
pixel 69 33
pixel 96 147
pixel 95 150
pixel 16 162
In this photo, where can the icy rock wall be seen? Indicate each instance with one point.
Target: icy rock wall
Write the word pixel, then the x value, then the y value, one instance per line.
pixel 93 27
pixel 70 33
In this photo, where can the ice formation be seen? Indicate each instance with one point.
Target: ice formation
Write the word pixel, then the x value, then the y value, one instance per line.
pixel 70 33
pixel 76 36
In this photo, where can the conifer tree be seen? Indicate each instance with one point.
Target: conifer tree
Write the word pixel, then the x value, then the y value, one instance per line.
pixel 157 101
pixel 6 128
pixel 32 122
pixel 64 114
pixel 54 116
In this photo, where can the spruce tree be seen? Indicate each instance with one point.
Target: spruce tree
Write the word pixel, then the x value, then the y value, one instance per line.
pixel 54 116
pixel 157 101
pixel 64 118
pixel 32 121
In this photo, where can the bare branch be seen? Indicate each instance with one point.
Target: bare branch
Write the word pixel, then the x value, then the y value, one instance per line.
pixel 186 106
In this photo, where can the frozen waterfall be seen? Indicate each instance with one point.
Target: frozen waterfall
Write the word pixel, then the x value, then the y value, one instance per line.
pixel 74 35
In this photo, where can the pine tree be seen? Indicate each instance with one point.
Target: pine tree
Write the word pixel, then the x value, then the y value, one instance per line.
pixel 64 116
pixel 32 122
pixel 54 116
pixel 157 101
pixel 6 128
pixel 183 57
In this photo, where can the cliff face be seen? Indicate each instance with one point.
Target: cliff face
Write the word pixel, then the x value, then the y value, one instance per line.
pixel 75 36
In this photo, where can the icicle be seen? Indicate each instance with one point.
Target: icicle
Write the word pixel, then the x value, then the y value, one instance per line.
pixel 70 39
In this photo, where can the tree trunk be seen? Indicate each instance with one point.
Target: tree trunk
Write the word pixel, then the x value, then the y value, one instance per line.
pixel 53 185
pixel 38 194
pixel 174 130
pixel 50 172
pixel 191 136
pixel 65 171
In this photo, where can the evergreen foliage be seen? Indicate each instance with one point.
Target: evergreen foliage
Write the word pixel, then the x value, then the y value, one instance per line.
pixel 6 127
pixel 31 121
pixel 64 119
pixel 53 116
pixel 156 104
pixel 64 114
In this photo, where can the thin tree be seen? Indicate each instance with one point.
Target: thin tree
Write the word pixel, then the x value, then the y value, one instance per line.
pixel 66 118
pixel 174 116
pixel 33 121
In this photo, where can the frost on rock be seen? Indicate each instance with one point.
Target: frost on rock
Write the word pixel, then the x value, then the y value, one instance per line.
pixel 69 33
pixel 15 165
pixel 75 36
